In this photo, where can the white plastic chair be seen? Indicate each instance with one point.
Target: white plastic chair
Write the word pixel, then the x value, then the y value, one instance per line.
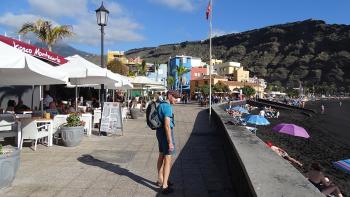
pixel 125 111
pixel 58 121
pixel 87 118
pixel 97 116
pixel 9 127
pixel 31 130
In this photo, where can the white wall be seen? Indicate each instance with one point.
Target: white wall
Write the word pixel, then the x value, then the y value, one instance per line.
pixel 196 62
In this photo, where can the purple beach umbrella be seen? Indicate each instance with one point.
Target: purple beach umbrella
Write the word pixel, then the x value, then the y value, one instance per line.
pixel 291 129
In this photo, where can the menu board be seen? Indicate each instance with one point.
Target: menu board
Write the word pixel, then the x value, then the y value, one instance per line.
pixel 111 120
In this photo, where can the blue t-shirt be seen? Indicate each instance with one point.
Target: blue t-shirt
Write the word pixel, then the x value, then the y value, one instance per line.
pixel 165 110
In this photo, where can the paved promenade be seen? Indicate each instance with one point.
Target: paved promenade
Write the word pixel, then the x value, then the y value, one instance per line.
pixel 125 165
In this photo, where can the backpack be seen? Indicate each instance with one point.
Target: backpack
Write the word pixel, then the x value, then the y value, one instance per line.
pixel 152 118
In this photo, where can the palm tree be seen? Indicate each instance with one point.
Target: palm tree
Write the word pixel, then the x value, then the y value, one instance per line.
pixel 170 80
pixel 142 69
pixel 181 70
pixel 45 31
pixel 156 68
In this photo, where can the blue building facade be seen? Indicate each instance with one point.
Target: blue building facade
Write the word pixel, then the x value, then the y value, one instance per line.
pixel 175 62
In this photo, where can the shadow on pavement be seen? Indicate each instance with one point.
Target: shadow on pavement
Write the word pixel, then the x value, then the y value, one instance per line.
pixel 90 160
pixel 200 169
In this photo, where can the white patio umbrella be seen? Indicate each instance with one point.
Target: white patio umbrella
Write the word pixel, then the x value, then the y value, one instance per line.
pixel 142 81
pixel 18 68
pixel 82 72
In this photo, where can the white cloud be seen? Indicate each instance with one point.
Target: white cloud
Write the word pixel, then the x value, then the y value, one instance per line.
pixel 117 30
pixel 184 5
pixel 120 28
pixel 16 21
pixel 55 8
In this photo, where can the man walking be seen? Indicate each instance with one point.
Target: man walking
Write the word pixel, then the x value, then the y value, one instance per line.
pixel 166 143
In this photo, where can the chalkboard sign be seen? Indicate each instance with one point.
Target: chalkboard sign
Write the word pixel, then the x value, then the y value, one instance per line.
pixel 111 119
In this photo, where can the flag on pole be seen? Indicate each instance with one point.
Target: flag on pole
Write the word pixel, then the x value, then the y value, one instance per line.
pixel 208 12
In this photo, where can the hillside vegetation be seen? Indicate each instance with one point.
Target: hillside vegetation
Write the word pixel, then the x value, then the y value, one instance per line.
pixel 310 52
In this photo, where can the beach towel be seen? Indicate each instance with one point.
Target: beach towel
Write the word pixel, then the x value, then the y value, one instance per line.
pixel 343 165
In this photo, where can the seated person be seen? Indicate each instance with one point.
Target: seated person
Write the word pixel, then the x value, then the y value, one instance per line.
pixel 262 113
pixel 52 109
pixel 61 108
pixel 71 108
pixel 95 104
pixel 20 107
pixel 317 178
pixel 10 106
pixel 283 154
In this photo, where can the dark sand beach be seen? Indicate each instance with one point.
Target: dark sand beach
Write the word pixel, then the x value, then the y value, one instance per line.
pixel 329 141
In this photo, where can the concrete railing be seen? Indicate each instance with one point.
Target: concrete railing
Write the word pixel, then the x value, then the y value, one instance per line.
pixel 264 102
pixel 254 169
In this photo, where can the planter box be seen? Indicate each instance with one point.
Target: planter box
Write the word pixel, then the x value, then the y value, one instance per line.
pixel 134 112
pixel 72 136
pixel 9 164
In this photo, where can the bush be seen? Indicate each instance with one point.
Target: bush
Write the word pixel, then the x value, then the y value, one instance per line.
pixel 73 120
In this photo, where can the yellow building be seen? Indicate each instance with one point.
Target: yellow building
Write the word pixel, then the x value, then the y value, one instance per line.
pixel 237 85
pixel 117 55
pixel 241 75
pixel 199 82
pixel 215 61
pixel 233 69
pixel 234 86
pixel 226 68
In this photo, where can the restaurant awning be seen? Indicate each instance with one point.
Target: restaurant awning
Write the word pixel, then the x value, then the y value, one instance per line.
pixel 18 68
pixel 34 50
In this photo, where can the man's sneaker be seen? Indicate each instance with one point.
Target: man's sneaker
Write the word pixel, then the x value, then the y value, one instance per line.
pixel 167 190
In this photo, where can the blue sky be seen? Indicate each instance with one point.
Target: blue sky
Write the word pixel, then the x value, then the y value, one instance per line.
pixel 146 23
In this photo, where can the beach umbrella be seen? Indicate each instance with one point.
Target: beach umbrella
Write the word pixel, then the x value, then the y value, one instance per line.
pixel 291 129
pixel 256 119
pixel 241 109
pixel 343 165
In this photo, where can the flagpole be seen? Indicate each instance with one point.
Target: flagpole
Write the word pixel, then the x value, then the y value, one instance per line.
pixel 210 59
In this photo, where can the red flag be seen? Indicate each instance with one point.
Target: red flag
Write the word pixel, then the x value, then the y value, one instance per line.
pixel 208 12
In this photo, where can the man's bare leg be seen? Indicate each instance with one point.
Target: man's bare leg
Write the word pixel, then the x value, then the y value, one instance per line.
pixel 166 170
pixel 160 164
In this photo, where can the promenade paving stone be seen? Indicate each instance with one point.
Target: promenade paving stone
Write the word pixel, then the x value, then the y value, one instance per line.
pixel 125 165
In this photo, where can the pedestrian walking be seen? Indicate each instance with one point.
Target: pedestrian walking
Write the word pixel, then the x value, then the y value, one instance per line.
pixel 166 142
pixel 322 108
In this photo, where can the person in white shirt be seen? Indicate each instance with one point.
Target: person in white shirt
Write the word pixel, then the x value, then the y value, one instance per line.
pixel 262 113
pixel 47 100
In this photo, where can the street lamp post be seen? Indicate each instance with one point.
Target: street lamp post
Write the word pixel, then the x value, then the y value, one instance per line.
pixel 102 18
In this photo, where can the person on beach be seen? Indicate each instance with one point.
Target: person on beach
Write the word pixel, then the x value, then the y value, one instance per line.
pixel 322 183
pixel 283 154
pixel 166 143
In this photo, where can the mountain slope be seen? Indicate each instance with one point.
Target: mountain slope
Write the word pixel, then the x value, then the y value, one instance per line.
pixel 311 52
pixel 64 49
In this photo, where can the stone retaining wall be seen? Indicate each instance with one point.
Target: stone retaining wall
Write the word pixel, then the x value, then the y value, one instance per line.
pixel 256 170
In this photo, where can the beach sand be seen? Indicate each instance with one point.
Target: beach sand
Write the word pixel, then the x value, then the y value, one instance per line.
pixel 329 141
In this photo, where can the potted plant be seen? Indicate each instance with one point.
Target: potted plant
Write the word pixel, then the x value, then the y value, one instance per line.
pixel 9 163
pixel 73 131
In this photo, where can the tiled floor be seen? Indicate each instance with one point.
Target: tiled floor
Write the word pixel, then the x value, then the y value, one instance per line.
pixel 125 165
